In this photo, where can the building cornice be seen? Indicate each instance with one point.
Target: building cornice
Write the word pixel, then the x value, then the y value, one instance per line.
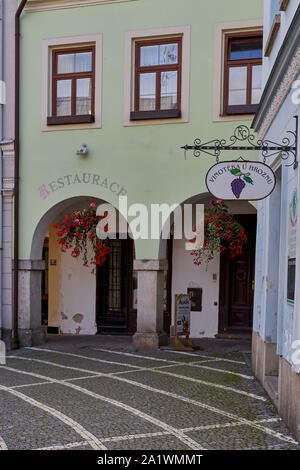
pixel 285 70
pixel 42 5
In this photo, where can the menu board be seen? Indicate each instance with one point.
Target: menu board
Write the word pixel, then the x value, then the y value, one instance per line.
pixel 183 314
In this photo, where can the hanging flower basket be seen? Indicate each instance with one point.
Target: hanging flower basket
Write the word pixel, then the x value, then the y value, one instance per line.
pixel 222 232
pixel 78 231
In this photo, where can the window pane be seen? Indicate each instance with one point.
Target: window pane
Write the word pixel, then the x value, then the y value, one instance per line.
pixel 83 96
pixel 237 86
pixel 168 96
pixel 147 91
pixel 149 55
pixel 168 54
pixel 246 50
pixel 163 54
pixel 63 98
pixel 65 63
pixel 114 278
pixel 83 62
pixel 256 84
pixel 78 62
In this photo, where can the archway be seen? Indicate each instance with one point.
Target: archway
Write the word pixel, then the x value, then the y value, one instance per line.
pixel 75 294
pixel 221 292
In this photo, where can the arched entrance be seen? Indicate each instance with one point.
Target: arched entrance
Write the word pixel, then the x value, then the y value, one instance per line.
pixel 62 296
pixel 221 292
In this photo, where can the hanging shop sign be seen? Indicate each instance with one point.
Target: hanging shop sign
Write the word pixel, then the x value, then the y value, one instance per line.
pixel 242 179
pixel 182 315
pixel 248 181
pixel 292 244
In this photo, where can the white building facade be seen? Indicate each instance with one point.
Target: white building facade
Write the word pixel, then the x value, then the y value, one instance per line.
pixel 276 335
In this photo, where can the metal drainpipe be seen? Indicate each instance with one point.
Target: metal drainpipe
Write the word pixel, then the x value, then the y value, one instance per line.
pixel 1 137
pixel 17 174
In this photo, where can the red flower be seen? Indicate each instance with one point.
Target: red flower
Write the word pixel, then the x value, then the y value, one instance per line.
pixel 77 231
pixel 221 232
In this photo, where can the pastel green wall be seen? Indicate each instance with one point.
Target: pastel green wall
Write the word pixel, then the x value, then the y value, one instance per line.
pixel 146 160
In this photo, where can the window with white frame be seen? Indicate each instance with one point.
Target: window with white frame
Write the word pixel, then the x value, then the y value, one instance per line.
pixel 157 78
pixel 237 69
pixel 72 82
pixel 73 86
pixel 242 72
pixel 156 85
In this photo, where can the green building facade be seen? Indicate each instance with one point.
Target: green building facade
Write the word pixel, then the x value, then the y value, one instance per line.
pixel 133 133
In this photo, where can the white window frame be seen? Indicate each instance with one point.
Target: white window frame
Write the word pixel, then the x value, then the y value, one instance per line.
pixel 129 61
pixel 241 26
pixel 54 44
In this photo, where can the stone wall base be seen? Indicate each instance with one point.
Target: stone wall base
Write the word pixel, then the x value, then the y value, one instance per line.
pixel 7 337
pixel 149 340
pixel 289 397
pixel 31 337
pixel 266 364
pixel 265 361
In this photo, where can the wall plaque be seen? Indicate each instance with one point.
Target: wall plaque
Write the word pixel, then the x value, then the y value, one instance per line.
pixel 195 294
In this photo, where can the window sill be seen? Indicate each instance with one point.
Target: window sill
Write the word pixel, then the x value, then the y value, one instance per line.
pixel 241 109
pixel 84 119
pixel 162 114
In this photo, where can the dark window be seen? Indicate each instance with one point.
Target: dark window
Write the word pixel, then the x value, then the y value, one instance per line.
pixel 157 79
pixel 243 73
pixel 73 86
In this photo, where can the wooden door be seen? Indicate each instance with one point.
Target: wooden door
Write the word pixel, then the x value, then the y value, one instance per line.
pixel 237 284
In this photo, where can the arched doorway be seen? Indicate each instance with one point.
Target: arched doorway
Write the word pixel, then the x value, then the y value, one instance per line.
pixel 73 299
pixel 222 291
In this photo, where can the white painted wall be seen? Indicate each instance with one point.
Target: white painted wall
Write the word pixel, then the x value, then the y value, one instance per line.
pixel 287 317
pixel 77 296
pixel 286 17
pixel 185 274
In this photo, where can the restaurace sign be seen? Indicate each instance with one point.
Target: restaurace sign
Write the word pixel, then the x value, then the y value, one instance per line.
pixel 240 180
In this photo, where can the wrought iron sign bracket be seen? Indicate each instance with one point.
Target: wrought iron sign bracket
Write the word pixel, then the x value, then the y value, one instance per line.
pixel 242 134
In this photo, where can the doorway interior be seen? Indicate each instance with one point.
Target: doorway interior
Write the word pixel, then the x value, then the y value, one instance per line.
pixel 237 284
pixel 116 289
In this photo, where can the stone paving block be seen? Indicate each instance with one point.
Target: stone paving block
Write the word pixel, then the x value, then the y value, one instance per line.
pixel 101 419
pixel 163 407
pixel 150 443
pixel 214 377
pixel 43 369
pixel 74 361
pixel 239 438
pixel 224 400
pixel 23 426
pixel 10 379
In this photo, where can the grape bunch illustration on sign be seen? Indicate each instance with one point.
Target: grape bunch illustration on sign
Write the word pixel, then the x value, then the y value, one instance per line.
pixel 238 184
pixel 240 180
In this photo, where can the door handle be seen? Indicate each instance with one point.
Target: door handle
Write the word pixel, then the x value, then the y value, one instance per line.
pixel 253 284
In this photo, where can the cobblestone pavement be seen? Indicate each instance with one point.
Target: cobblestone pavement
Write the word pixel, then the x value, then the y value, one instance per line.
pixel 87 397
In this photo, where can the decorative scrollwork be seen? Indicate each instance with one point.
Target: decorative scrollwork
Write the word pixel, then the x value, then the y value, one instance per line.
pixel 242 133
